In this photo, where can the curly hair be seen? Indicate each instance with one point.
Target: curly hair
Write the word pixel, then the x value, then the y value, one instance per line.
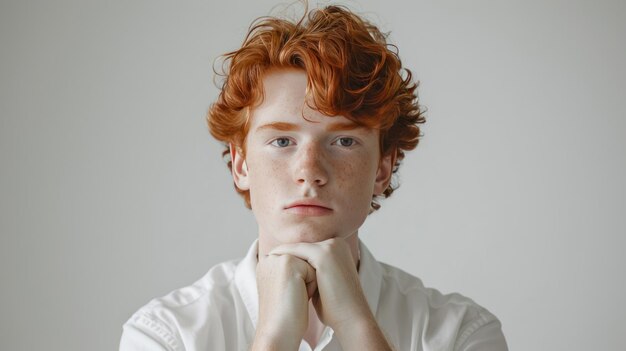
pixel 351 71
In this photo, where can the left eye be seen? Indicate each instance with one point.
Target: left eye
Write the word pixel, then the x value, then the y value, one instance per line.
pixel 346 142
pixel 281 142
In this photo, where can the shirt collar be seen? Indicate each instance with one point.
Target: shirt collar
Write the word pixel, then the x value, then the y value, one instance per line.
pixel 370 275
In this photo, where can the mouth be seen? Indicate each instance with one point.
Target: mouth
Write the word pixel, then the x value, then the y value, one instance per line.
pixel 308 208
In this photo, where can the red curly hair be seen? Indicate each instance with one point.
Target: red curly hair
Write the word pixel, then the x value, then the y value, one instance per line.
pixel 351 72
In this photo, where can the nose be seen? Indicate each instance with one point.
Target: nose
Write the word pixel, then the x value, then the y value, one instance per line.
pixel 310 166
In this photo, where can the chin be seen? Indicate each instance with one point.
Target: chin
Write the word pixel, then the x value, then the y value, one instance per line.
pixel 307 234
pixel 306 237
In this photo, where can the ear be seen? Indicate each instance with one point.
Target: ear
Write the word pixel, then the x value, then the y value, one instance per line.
pixel 384 172
pixel 239 168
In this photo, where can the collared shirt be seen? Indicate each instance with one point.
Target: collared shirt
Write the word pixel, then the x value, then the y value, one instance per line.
pixel 220 312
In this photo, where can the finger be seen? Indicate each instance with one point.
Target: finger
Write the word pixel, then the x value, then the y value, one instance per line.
pixel 309 252
pixel 311 281
pixel 309 276
pixel 304 271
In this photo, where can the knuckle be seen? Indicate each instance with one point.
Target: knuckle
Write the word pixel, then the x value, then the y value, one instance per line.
pixel 286 264
pixel 329 246
pixel 286 260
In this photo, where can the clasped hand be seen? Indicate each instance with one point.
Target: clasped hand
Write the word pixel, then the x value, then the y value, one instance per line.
pixel 291 274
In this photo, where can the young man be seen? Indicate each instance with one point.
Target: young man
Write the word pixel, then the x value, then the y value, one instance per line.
pixel 316 116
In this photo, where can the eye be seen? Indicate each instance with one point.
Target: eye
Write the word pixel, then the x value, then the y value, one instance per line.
pixel 280 142
pixel 346 142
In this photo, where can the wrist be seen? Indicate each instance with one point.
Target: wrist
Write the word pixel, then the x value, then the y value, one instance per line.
pixel 356 326
pixel 357 313
pixel 363 334
pixel 269 341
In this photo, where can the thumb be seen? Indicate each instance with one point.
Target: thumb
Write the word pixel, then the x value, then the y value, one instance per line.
pixel 310 279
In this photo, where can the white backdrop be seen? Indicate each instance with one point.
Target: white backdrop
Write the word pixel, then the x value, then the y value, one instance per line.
pixel 112 191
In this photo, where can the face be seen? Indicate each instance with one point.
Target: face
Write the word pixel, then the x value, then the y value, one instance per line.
pixel 309 179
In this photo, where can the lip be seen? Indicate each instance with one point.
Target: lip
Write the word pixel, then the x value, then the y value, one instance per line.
pixel 309 207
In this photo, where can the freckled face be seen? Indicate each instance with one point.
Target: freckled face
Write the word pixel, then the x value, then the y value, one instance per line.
pixel 309 180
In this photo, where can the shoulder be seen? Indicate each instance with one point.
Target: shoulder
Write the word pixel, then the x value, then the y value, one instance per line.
pixel 441 316
pixel 406 284
pixel 217 282
pixel 164 319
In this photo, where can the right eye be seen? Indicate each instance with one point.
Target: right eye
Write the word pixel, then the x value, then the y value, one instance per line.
pixel 281 142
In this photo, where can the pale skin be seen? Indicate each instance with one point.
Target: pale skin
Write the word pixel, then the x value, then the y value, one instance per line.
pixel 311 182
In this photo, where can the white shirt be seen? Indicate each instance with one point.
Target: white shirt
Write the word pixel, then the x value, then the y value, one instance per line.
pixel 220 312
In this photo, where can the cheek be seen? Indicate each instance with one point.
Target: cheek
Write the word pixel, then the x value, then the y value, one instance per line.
pixel 355 184
pixel 267 178
pixel 359 170
pixel 357 178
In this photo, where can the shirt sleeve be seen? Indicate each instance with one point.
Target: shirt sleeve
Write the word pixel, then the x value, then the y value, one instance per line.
pixel 486 337
pixel 142 333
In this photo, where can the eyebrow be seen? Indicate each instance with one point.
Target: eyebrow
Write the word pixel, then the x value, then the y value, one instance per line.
pixel 285 126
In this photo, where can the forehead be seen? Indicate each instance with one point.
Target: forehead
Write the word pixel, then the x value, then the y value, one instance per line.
pixel 285 100
pixel 284 96
pixel 284 89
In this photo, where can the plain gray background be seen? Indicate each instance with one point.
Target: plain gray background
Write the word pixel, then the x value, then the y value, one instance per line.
pixel 112 191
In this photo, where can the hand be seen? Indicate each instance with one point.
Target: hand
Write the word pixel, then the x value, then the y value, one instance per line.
pixel 339 300
pixel 285 284
pixel 325 271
